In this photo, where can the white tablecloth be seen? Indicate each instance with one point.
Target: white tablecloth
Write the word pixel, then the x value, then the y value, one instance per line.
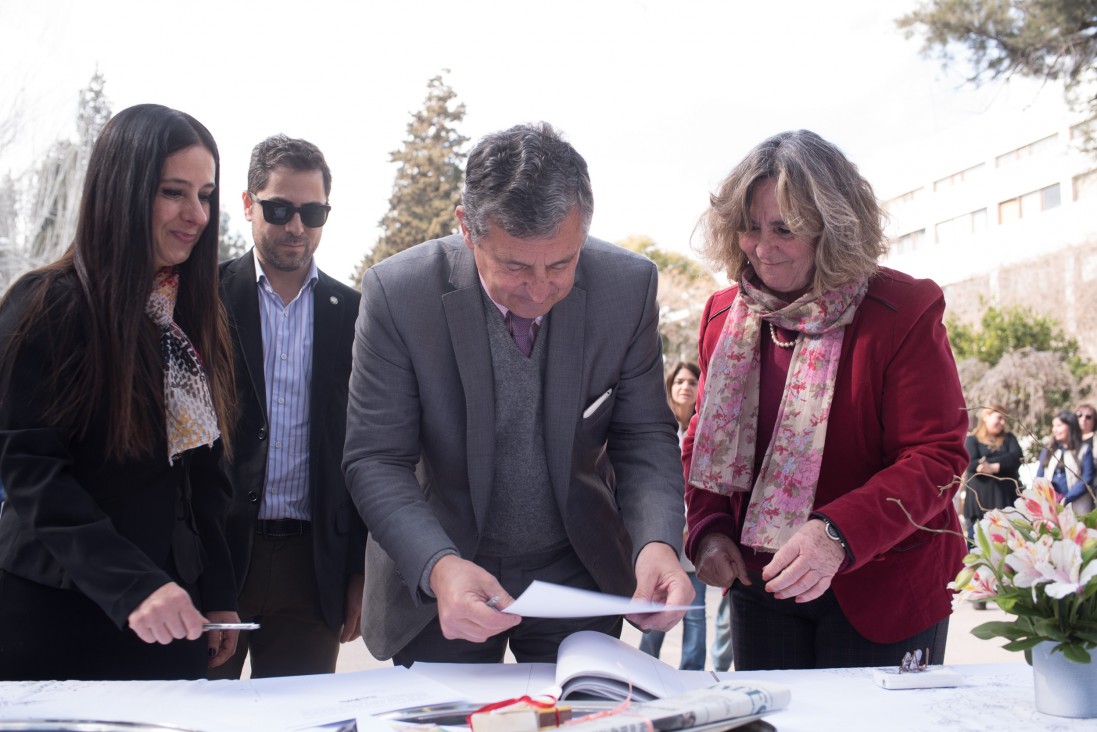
pixel 994 697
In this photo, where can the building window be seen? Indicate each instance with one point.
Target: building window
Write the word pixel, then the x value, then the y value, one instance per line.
pixel 1029 204
pixel 1049 197
pixel 1084 131
pixel 1085 186
pixel 1033 149
pixel 908 243
pixel 905 198
pixel 964 176
pixel 961 227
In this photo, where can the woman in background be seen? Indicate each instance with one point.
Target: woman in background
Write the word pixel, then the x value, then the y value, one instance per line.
pixel 992 475
pixel 993 468
pixel 117 382
pixel 681 385
pixel 1068 461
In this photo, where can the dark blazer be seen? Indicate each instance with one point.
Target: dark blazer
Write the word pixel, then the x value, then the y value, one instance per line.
pixel 114 530
pixel 893 455
pixel 421 423
pixel 338 534
pixel 987 492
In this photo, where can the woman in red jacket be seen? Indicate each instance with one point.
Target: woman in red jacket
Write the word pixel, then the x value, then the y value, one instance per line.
pixel 830 437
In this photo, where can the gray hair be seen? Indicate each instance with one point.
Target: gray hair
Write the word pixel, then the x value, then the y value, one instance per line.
pixel 822 197
pixel 525 180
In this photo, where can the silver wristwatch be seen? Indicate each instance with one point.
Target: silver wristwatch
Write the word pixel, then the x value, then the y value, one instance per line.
pixel 832 533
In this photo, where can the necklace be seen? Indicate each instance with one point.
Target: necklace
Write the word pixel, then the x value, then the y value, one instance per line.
pixel 777 341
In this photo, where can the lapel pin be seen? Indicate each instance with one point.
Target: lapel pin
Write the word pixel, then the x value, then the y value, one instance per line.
pixel 334 300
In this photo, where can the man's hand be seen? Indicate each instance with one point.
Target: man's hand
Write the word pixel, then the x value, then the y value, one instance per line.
pixel 660 578
pixel 463 590
pixel 804 566
pixel 166 615
pixel 719 562
pixel 222 643
pixel 352 609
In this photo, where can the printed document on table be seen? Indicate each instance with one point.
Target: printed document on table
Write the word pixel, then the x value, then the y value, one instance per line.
pixel 546 600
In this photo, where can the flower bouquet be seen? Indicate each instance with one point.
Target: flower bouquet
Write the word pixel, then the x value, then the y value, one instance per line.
pixel 1037 562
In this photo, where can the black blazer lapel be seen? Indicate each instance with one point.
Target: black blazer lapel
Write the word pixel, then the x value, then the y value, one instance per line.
pixel 327 315
pixel 242 304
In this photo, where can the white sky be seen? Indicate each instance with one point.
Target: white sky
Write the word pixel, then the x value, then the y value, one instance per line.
pixel 662 97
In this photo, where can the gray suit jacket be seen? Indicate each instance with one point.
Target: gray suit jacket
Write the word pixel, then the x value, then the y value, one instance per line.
pixel 420 423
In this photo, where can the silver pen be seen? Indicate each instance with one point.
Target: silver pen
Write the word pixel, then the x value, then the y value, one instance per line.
pixel 230 626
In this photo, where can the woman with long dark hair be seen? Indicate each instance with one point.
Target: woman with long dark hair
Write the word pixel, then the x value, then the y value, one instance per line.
pixel 1068 461
pixel 116 395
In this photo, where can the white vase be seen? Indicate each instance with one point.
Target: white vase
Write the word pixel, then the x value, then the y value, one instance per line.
pixel 1063 688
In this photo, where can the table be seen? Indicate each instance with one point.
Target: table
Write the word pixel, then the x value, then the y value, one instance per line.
pixel 993 697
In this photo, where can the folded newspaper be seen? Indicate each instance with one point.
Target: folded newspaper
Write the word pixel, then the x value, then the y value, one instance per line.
pixel 726 701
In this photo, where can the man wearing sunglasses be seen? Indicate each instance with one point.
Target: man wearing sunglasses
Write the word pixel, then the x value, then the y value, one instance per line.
pixel 508 421
pixel 296 539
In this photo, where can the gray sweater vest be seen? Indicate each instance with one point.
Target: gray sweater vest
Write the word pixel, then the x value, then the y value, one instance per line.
pixel 523 516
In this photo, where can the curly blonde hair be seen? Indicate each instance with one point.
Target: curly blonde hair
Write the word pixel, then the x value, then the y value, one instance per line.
pixel 822 197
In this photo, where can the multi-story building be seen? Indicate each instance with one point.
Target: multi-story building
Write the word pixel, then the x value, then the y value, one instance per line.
pixel 1009 217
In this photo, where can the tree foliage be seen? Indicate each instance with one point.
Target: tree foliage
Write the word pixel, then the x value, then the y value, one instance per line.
pixel 1054 40
pixel 230 244
pixel 1023 361
pixel 427 188
pixel 39 207
pixel 684 287
pixel 1002 330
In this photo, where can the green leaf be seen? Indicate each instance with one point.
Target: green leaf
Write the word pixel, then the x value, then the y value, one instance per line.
pixel 998 629
pixel 1076 653
pixel 1024 644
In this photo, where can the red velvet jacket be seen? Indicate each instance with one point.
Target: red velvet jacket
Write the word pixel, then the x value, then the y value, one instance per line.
pixel 896 434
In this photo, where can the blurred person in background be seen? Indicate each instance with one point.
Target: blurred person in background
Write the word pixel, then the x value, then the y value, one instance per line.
pixel 682 398
pixel 1068 462
pixel 991 480
pixel 1087 421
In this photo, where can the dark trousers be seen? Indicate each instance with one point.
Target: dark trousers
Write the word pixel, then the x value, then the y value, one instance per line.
pixel 534 640
pixel 280 594
pixel 50 633
pixel 782 634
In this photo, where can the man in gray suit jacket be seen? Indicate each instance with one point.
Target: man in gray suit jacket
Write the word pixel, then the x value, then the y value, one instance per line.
pixel 507 419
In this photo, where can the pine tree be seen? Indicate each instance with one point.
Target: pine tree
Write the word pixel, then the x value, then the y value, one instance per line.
pixel 39 207
pixel 428 180
pixel 230 244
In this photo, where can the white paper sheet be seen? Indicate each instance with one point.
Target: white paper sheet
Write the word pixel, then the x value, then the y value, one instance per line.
pixel 546 600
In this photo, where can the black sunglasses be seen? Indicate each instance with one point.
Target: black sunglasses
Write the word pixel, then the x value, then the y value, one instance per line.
pixel 313 215
pixel 1083 415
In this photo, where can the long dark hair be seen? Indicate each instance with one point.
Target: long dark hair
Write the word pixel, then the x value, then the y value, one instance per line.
pixel 1074 438
pixel 112 259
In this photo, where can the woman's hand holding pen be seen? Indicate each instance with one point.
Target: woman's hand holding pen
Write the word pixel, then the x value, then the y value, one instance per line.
pixel 167 614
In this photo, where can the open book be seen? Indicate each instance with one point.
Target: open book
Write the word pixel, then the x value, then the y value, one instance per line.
pixel 591 665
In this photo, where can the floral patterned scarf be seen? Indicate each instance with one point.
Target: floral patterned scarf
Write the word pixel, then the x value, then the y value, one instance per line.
pixel 191 418
pixel 724 447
